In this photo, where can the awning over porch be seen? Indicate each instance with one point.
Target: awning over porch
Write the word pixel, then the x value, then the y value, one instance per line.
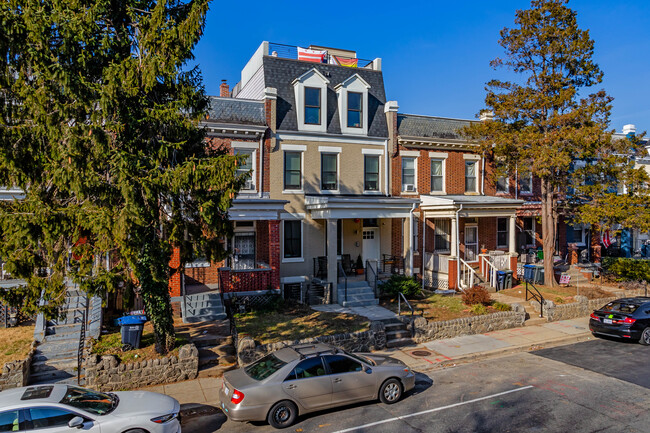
pixel 471 206
pixel 341 207
pixel 256 209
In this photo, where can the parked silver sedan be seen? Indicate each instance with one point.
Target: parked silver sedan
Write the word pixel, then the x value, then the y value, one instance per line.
pixel 62 408
pixel 304 378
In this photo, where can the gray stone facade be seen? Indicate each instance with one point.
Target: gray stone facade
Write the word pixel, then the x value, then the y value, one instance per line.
pixel 107 373
pixel 375 338
pixel 16 374
pixel 427 331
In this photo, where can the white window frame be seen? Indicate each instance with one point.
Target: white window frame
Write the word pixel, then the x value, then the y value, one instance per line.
pixel 253 162
pixel 506 232
pixel 442 157
pixel 507 179
pixel 294 217
pixel 311 78
pixel 533 230
pixel 526 192
pixel 437 222
pixel 354 84
pixel 378 153
pixel 476 175
pixel 475 227
pixel 412 154
pixel 331 150
pixel 294 148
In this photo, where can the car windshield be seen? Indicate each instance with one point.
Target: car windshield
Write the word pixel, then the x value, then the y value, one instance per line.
pixel 621 307
pixel 361 358
pixel 91 401
pixel 263 368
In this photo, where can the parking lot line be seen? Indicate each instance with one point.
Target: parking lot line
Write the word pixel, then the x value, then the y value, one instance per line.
pixel 437 409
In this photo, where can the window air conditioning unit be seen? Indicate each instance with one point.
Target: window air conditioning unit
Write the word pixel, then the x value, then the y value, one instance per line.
pixel 409 188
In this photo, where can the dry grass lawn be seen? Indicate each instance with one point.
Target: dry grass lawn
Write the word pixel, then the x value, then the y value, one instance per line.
pixel 436 308
pixel 16 343
pixel 295 323
pixel 559 295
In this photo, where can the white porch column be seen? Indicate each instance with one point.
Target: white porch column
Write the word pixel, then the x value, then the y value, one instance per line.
pixel 512 247
pixel 454 241
pixel 332 266
pixel 407 233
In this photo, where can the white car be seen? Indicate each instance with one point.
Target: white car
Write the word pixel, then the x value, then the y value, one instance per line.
pixel 64 408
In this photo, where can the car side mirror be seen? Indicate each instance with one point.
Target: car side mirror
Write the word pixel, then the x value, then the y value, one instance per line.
pixel 76 422
pixel 368 370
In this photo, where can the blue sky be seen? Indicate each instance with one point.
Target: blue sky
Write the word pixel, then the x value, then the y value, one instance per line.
pixel 435 55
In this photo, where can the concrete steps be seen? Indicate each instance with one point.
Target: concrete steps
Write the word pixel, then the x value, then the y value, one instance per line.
pixel 397 334
pixel 359 294
pixel 203 307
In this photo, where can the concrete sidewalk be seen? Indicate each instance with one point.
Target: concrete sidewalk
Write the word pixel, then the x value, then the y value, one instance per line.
pixel 201 395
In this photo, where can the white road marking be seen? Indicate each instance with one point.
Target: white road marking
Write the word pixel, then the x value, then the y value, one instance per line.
pixel 437 409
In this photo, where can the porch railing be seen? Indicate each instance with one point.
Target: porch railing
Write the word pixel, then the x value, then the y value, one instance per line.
pixel 342 274
pixel 489 271
pixel 291 52
pixel 248 280
pixel 436 262
pixel 467 275
pixel 371 275
pixel 501 261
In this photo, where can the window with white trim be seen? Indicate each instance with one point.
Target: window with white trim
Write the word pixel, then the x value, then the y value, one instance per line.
pixel 292 239
pixel 526 184
pixel 329 171
pixel 503 183
pixel 441 242
pixel 437 175
pixel 355 110
pixel 310 92
pixel 246 167
pixel 292 170
pixel 352 94
pixel 371 172
pixel 408 174
pixel 471 176
pixel 502 232
pixel 312 106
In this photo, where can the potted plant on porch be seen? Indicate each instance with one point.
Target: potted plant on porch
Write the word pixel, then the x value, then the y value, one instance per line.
pixel 359 265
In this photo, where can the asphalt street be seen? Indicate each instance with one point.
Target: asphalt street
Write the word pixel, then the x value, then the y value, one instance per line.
pixel 599 385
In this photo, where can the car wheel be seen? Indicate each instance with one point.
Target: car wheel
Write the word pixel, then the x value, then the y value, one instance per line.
pixel 390 391
pixel 282 414
pixel 137 430
pixel 645 337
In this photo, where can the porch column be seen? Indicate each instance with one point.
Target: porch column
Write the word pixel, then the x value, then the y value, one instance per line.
pixel 274 253
pixel 332 267
pixel 512 246
pixel 408 246
pixel 453 262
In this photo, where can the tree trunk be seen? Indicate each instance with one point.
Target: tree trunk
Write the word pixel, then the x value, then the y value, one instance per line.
pixel 549 225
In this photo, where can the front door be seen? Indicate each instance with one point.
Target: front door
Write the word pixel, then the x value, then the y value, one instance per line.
pixel 244 251
pixel 471 243
pixel 370 247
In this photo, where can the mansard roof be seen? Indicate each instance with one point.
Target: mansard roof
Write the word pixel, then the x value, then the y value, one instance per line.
pixel 429 127
pixel 236 111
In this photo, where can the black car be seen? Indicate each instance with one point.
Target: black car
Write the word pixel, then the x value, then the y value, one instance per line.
pixel 623 318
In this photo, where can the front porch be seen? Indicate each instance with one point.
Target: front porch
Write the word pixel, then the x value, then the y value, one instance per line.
pixel 459 231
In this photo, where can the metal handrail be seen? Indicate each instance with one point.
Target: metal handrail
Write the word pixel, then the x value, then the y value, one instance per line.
pixel 491 274
pixel 341 273
pixel 538 297
pixel 82 340
pixel 399 310
pixel 374 274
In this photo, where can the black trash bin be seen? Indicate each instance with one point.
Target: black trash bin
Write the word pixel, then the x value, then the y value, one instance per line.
pixel 501 280
pixel 508 279
pixel 131 327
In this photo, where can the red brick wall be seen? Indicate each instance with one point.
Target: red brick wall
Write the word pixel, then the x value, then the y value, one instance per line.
pixel 175 279
pixel 262 241
pixel 203 275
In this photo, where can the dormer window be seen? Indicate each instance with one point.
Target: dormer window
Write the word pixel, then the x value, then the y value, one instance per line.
pixel 352 96
pixel 312 105
pixel 310 90
pixel 355 110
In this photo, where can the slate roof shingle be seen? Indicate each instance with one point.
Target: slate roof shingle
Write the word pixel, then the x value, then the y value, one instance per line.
pixel 238 111
pixel 411 125
pixel 280 73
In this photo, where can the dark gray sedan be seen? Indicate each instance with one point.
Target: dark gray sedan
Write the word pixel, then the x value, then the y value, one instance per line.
pixel 305 378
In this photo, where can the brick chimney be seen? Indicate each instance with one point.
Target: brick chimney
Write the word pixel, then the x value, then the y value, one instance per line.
pixel 224 89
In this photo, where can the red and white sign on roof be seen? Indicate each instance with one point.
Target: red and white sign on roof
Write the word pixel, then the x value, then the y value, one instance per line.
pixel 308 55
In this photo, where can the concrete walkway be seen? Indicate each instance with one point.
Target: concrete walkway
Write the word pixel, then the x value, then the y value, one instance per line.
pixel 372 312
pixel 201 395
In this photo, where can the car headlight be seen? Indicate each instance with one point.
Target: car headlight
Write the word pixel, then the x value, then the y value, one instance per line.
pixel 165 418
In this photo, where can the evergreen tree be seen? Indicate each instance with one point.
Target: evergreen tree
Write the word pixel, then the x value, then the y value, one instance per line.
pixel 544 121
pixel 100 128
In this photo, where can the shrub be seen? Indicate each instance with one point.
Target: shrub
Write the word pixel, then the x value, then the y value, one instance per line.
pixel 624 269
pixel 476 295
pixel 501 306
pixel 401 283
pixel 478 309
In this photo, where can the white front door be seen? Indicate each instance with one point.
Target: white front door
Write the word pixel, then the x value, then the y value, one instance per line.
pixel 471 243
pixel 370 247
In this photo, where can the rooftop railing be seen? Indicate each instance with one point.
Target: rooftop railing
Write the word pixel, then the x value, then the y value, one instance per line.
pixel 291 52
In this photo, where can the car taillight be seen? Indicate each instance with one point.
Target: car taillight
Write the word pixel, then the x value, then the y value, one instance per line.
pixel 237 397
pixel 593 316
pixel 629 320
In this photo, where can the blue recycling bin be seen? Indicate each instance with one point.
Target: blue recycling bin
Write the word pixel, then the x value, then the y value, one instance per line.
pixel 529 272
pixel 131 330
pixel 501 280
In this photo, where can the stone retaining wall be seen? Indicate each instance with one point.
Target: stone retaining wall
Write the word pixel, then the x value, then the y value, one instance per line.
pixel 581 308
pixel 107 373
pixel 427 331
pixel 375 338
pixel 16 374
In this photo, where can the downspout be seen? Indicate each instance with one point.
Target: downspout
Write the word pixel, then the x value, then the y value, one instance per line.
pixel 516 182
pixel 458 245
pixel 424 244
pixel 482 175
pixel 261 165
pixel 411 239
